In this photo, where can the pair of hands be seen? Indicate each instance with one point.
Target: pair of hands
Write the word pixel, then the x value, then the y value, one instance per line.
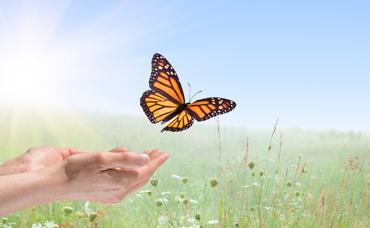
pixel 51 173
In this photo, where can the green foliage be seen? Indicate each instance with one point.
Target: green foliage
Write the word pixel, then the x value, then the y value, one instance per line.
pixel 310 179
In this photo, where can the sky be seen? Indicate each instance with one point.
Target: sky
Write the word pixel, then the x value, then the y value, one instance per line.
pixel 304 62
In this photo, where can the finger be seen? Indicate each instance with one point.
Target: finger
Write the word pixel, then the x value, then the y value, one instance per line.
pixel 73 151
pixel 64 152
pixel 122 160
pixel 153 153
pixel 153 164
pixel 119 150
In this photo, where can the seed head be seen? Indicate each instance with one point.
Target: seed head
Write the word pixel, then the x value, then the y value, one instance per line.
pixel 288 184
pixel 182 195
pixel 213 182
pixel 185 180
pixel 159 203
pixel 197 217
pixel 92 216
pixel 68 210
pixel 154 182
pixel 251 165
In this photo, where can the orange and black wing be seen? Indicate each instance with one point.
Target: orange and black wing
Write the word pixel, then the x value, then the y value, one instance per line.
pixel 182 122
pixel 156 106
pixel 205 109
pixel 165 81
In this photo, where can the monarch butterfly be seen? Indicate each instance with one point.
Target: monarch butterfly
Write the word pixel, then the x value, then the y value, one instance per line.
pixel 165 101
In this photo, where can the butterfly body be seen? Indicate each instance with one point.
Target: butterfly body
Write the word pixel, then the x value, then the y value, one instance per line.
pixel 165 101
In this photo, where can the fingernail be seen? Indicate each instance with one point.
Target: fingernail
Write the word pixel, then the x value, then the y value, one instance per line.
pixel 143 159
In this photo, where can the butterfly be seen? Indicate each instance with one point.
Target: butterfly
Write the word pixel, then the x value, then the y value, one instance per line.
pixel 165 101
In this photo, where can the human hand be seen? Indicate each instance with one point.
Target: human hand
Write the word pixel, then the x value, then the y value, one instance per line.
pixel 101 177
pixel 105 177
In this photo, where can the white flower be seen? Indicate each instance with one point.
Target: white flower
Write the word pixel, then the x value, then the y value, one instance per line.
pixel 255 183
pixel 165 193
pixel 87 207
pixel 50 224
pixel 176 177
pixel 139 196
pixel 36 225
pixel 212 222
pixel 163 220
pixel 194 201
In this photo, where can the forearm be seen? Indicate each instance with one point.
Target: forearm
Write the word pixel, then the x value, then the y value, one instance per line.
pixel 18 191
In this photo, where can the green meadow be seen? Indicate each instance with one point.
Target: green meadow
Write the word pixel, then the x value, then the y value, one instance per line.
pixel 217 176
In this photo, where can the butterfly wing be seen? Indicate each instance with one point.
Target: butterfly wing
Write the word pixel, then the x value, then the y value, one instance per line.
pixel 156 106
pixel 205 109
pixel 165 81
pixel 182 122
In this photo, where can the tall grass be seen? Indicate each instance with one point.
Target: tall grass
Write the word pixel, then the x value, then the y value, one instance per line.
pixel 217 176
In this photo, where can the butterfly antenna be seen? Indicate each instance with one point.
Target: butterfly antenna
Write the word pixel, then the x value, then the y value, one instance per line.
pixel 195 95
pixel 189 91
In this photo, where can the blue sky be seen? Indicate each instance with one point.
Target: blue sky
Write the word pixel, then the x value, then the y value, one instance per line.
pixel 306 62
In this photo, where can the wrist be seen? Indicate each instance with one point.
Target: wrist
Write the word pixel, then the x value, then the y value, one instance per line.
pixel 9 167
pixel 52 183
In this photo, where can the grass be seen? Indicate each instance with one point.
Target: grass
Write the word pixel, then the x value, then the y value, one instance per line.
pixel 217 176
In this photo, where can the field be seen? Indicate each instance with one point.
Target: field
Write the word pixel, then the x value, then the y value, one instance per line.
pixel 217 176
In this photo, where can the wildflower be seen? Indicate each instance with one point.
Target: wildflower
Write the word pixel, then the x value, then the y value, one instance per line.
pixel 251 165
pixel 139 196
pixel 213 222
pixel 163 220
pixel 36 225
pixel 50 224
pixel 160 202
pixel 165 193
pixel 185 180
pixel 197 217
pixel 68 210
pixel 154 182
pixel 148 192
pixel 297 194
pixel 193 201
pixel 255 184
pixel 87 207
pixel 213 182
pixel 288 184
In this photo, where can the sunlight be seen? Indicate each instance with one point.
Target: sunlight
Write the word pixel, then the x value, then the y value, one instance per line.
pixel 24 77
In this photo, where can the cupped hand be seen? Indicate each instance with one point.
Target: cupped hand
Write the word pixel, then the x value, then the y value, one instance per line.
pixel 105 177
